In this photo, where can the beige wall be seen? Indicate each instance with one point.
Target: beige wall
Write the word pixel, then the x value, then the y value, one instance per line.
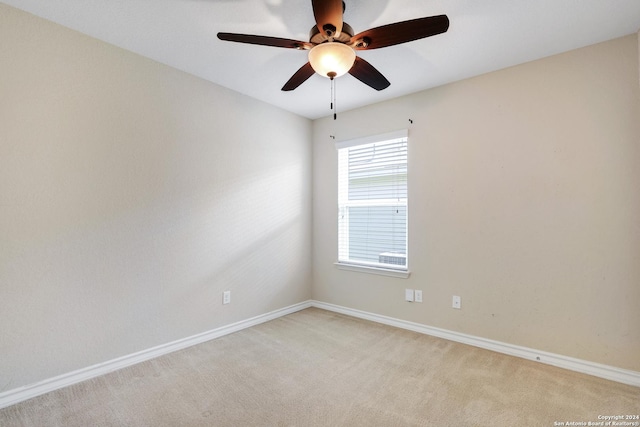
pixel 131 196
pixel 524 200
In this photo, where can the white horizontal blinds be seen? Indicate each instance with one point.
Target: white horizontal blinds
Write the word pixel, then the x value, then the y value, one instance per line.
pixel 373 202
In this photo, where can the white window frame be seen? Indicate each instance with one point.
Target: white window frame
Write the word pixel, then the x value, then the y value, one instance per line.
pixel 362 266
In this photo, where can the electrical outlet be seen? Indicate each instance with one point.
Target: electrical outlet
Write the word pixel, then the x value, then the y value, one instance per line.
pixel 226 297
pixel 457 303
pixel 408 295
pixel 418 295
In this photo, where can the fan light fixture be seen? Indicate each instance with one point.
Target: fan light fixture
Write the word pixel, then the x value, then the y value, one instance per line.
pixel 332 45
pixel 332 59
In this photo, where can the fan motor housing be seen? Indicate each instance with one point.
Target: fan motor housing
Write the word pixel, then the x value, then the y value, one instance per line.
pixel 316 37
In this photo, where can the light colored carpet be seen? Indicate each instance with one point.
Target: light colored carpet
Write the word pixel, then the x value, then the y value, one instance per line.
pixel 318 368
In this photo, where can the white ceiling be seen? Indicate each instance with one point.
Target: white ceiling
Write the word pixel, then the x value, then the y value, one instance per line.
pixel 484 35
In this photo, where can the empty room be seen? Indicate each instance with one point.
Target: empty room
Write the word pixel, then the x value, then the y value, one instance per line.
pixel 319 213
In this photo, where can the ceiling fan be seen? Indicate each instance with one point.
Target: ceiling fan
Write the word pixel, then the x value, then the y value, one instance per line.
pixel 332 44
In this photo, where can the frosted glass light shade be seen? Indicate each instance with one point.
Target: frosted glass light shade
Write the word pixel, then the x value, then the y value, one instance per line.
pixel 332 57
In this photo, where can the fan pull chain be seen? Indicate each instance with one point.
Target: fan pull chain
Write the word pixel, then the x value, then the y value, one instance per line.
pixel 331 107
pixel 332 76
pixel 334 103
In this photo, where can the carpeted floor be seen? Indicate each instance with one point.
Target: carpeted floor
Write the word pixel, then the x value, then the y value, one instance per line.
pixel 318 368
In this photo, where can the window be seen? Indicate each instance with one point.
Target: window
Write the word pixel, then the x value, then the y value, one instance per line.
pixel 372 202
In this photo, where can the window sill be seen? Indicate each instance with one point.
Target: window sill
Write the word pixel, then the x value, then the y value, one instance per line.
pixel 373 270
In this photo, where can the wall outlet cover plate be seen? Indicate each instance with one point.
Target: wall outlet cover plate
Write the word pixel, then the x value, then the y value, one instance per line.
pixel 457 303
pixel 408 295
pixel 418 295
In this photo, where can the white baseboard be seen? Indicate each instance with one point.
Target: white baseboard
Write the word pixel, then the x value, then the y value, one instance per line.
pixel 20 394
pixel 591 368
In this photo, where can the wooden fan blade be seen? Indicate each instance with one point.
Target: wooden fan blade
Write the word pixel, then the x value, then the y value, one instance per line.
pixel 264 41
pixel 299 77
pixel 328 14
pixel 400 32
pixel 368 74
